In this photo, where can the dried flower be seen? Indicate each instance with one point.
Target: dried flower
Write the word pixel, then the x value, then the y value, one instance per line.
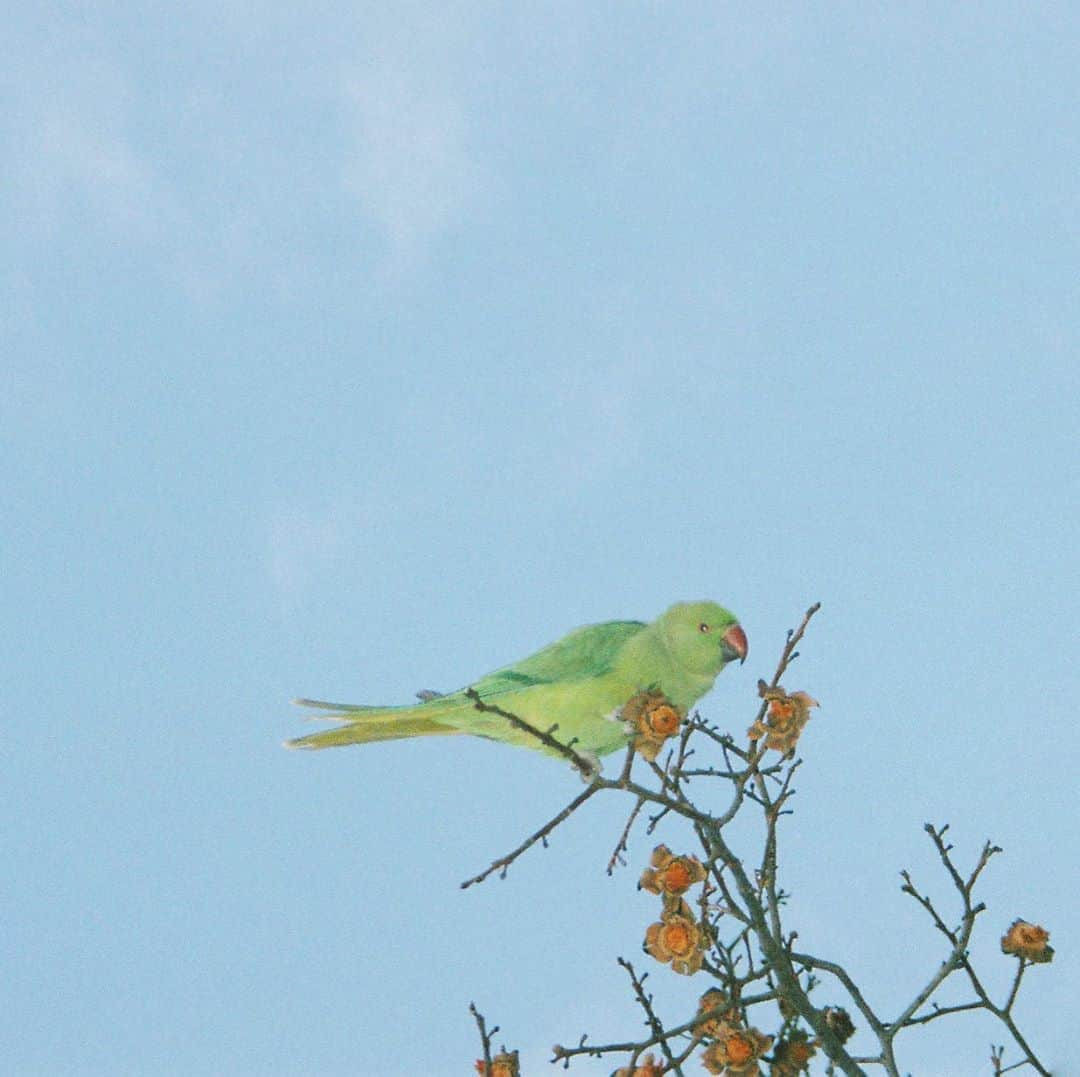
pixel 502 1065
pixel 785 717
pixel 671 874
pixel 647 1067
pixel 1028 942
pixel 792 1056
pixel 723 1023
pixel 839 1022
pixel 678 938
pixel 737 1053
pixel 652 718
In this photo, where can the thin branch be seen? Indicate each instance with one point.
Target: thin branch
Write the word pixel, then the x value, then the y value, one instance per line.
pixel 485 1036
pixel 504 862
pixel 624 837
pixel 958 958
pixel 656 1026
pixel 1021 965
pixel 841 974
pixel 580 762
pixel 777 955
pixel 789 654
pixel 942 1011
pixel 660 1035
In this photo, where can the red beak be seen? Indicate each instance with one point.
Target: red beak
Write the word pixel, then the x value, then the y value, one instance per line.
pixel 735 641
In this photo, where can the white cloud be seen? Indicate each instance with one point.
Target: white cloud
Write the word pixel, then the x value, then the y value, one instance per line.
pixel 301 543
pixel 92 154
pixel 411 170
pixel 67 151
pixel 74 156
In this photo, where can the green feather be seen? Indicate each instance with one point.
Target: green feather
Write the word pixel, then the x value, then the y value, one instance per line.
pixel 577 684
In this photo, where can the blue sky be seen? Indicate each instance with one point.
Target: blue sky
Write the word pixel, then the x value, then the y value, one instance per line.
pixel 358 351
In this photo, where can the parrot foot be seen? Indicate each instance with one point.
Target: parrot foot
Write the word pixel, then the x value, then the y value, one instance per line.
pixel 629 726
pixel 425 695
pixel 617 716
pixel 595 766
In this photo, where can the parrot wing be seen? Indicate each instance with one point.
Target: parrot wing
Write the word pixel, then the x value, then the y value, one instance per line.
pixel 580 655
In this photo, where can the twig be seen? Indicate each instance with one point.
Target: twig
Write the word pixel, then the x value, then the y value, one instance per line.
pixel 834 969
pixel 621 845
pixel 661 1035
pixel 958 958
pixel 505 861
pixel 655 1024
pixel 789 654
pixel 485 1036
pixel 586 766
pixel 942 1011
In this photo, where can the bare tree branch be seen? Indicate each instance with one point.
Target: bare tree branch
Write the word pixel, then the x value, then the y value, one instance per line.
pixel 732 933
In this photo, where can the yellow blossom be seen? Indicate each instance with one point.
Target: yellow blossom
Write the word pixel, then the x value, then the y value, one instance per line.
pixel 1027 941
pixel 784 720
pixel 721 1025
pixel 671 874
pixel 737 1053
pixel 792 1056
pixel 502 1065
pixel 647 1067
pixel 652 719
pixel 677 939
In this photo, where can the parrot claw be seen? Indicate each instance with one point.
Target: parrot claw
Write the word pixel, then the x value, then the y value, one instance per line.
pixel 595 766
pixel 617 716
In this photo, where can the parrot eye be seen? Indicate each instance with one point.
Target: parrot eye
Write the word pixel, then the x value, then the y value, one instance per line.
pixel 703 627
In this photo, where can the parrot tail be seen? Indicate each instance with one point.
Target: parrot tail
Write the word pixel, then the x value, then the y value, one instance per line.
pixel 364 725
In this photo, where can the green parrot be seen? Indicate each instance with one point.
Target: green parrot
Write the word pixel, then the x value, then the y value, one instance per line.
pixel 579 683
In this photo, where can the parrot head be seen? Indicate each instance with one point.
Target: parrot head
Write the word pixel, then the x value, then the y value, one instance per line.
pixel 703 637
